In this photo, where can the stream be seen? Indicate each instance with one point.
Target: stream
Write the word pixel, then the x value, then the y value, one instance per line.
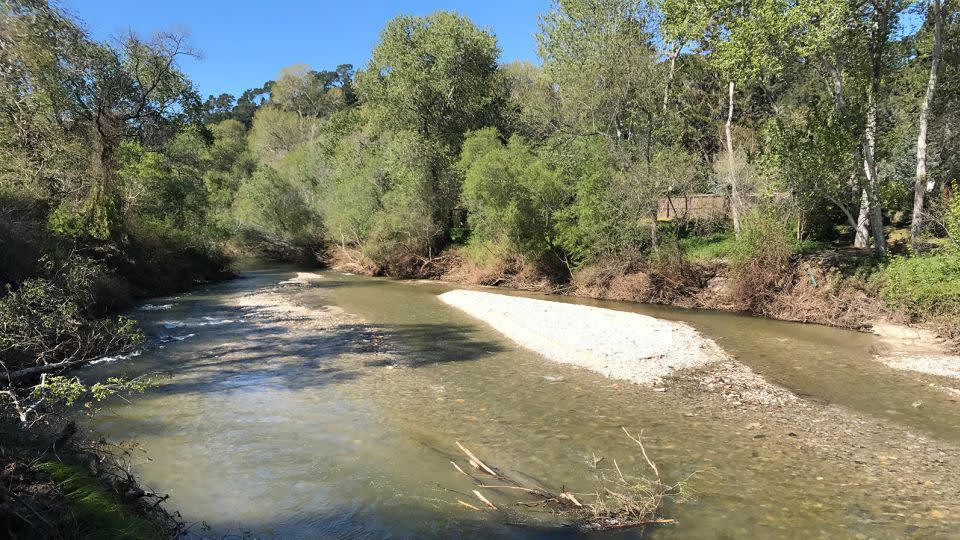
pixel 263 431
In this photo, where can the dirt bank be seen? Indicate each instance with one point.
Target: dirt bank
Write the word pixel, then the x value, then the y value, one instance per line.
pixel 915 349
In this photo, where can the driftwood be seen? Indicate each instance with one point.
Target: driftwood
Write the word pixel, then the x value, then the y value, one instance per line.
pixel 619 502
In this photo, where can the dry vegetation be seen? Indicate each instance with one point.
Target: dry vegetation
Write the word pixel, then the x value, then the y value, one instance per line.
pixel 619 501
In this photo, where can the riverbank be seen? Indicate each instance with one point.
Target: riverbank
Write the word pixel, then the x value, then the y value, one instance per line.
pixel 817 292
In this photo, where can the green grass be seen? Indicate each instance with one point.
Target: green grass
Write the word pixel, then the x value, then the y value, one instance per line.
pixel 723 245
pixel 708 248
pixel 923 286
pixel 99 514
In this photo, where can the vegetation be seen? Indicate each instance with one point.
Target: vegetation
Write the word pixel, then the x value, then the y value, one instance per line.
pixel 820 126
pixel 98 513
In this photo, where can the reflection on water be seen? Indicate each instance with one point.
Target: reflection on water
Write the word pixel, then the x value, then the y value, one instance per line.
pixel 307 438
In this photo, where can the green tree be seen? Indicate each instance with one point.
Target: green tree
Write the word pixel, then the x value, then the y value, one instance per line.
pixel 436 75
pixel 511 195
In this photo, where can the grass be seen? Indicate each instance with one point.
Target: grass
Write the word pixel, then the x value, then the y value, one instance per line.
pixel 723 245
pixel 708 248
pixel 923 286
pixel 99 513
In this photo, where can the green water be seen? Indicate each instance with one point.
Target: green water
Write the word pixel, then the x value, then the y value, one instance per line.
pixel 302 438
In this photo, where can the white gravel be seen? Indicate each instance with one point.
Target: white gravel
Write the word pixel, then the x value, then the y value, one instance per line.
pixel 617 344
pixel 944 366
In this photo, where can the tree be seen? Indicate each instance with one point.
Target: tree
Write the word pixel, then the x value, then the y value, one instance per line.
pixel 511 195
pixel 115 92
pixel 308 93
pixel 622 98
pixel 921 186
pixel 436 75
pixel 746 41
pixel 277 132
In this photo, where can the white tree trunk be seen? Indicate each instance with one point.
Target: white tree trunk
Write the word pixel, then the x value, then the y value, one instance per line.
pixel 878 39
pixel 862 227
pixel 872 187
pixel 731 161
pixel 674 53
pixel 920 185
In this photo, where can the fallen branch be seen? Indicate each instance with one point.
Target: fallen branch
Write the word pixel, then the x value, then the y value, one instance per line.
pixel 619 502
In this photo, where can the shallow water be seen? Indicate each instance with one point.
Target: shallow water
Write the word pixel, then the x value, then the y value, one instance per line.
pixel 305 439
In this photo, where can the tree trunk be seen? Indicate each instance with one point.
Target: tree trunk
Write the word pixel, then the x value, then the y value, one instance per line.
pixel 673 63
pixel 731 161
pixel 920 185
pixel 872 187
pixel 654 238
pixel 861 232
pixel 880 33
pixel 102 205
pixel 862 225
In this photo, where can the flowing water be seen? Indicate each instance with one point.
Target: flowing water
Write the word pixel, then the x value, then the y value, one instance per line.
pixel 253 432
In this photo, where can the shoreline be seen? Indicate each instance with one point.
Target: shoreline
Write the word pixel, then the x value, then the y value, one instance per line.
pixel 902 345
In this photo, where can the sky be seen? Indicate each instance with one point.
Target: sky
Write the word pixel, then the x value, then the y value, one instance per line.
pixel 244 44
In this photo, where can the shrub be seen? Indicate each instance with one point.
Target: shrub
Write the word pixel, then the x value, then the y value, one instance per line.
pixel 951 220
pixel 927 286
pixel 510 193
pixel 761 260
pixel 415 206
pixel 52 319
pixel 163 260
pixel 277 213
pixel 23 235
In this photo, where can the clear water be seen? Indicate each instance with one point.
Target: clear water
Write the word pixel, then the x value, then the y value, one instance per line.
pixel 304 439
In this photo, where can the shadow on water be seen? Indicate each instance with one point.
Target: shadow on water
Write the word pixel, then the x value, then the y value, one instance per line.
pixel 210 345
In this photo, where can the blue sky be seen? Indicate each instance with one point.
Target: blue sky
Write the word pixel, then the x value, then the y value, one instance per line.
pixel 245 44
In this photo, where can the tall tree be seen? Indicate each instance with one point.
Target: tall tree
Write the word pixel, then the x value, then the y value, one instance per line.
pixel 436 75
pixel 621 100
pixel 134 89
pixel 921 185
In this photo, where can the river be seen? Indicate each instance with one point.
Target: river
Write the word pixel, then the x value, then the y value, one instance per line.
pixel 261 429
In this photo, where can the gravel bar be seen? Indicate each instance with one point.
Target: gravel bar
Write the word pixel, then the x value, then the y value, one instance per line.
pixel 617 344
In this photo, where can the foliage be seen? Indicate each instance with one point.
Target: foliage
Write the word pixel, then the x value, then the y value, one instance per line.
pixel 510 194
pixel 52 320
pixel 925 286
pixel 99 513
pixel 270 204
pixel 436 75
pixel 761 260
pixel 419 191
pixel 708 248
pixel 951 220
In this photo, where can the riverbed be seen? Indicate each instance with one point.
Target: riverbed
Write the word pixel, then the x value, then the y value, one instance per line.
pixel 337 415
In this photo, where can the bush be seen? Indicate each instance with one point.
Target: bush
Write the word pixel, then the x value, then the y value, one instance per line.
pixel 951 220
pixel 275 212
pixel 761 260
pixel 23 236
pixel 163 260
pixel 52 319
pixel 415 206
pixel 510 193
pixel 927 286
pixel 708 248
